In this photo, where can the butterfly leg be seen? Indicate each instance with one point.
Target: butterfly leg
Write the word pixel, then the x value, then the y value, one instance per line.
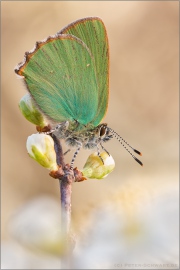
pixel 98 152
pixel 67 151
pixel 75 155
pixel 104 149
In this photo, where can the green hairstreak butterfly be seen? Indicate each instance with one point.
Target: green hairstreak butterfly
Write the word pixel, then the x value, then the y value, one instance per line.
pixel 67 75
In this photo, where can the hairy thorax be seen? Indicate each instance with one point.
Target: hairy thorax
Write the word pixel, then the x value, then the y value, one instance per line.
pixel 88 137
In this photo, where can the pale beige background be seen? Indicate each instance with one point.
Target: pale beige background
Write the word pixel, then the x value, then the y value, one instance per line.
pixel 143 106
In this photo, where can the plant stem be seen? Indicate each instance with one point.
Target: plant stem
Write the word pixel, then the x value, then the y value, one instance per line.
pixel 66 177
pixel 65 181
pixel 59 151
pixel 66 190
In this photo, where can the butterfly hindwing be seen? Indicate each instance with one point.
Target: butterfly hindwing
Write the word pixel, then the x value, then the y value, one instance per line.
pixel 60 74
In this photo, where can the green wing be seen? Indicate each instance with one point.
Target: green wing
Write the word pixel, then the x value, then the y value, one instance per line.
pixel 61 77
pixel 93 33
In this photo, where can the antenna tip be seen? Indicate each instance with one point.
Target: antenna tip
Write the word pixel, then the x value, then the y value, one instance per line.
pixel 137 152
pixel 138 161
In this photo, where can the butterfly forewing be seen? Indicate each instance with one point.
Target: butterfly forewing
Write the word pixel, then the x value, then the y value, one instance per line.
pixel 60 75
pixel 93 33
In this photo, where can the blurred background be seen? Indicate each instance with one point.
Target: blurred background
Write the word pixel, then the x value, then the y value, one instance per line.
pixel 130 217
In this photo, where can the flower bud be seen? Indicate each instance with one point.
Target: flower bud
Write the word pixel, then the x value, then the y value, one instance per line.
pixel 94 167
pixel 40 147
pixel 31 112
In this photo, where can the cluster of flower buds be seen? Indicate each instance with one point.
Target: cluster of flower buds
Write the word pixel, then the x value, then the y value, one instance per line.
pixel 40 146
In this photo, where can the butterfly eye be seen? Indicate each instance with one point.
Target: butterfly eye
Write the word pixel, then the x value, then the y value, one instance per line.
pixel 102 131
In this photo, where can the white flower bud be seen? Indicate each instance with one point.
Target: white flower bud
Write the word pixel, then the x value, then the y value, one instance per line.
pixel 40 147
pixel 94 167
pixel 30 111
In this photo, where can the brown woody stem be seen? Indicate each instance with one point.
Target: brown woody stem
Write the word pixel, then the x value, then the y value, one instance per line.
pixel 66 178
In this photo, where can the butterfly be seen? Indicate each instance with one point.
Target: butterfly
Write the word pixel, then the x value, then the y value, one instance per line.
pixel 67 76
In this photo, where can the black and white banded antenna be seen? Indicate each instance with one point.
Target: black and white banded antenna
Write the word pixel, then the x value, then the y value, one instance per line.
pixel 122 141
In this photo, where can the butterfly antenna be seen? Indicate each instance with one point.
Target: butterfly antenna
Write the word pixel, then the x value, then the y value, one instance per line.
pixel 122 141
